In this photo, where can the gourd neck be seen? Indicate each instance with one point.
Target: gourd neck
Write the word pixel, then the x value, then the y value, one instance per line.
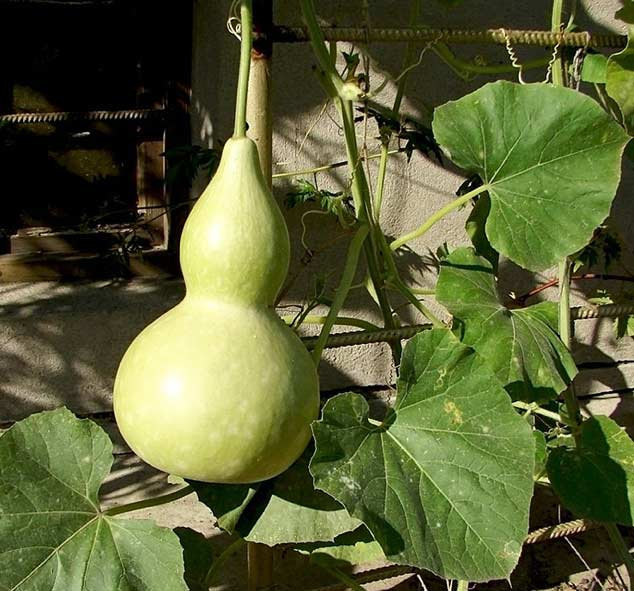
pixel 235 244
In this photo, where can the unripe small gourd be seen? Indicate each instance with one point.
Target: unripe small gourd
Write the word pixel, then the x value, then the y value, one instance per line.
pixel 219 389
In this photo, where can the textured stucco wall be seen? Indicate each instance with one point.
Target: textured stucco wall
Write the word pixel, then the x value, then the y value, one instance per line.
pixel 61 343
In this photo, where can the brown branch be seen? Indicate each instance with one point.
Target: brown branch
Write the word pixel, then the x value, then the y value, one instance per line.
pixel 521 300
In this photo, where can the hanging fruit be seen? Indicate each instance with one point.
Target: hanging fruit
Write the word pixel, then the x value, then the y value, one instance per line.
pixel 219 389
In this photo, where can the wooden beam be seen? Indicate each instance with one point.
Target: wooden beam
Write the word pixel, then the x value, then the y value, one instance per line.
pixel 64 266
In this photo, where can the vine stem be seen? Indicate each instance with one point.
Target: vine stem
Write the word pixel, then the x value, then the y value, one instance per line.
pixel 153 502
pixel 586 276
pixel 557 72
pixel 246 44
pixel 415 11
pixel 565 266
pixel 342 577
pixel 463 586
pixel 439 215
pixel 538 410
pixel 470 68
pixel 347 277
pixel 219 562
pixel 339 321
pixel 380 183
pixel 327 167
pixel 421 291
pixel 394 278
pixel 564 302
pixel 572 404
pixel 395 282
pixel 621 548
pixel 333 84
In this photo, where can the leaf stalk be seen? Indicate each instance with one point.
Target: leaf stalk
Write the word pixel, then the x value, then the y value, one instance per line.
pixel 349 270
pixel 153 502
pixel 439 215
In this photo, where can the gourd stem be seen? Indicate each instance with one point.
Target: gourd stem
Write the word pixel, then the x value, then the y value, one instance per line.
pixel 246 43
pixel 439 215
pixel 153 502
pixel 349 270
pixel 418 304
pixel 463 586
pixel 565 324
pixel 363 206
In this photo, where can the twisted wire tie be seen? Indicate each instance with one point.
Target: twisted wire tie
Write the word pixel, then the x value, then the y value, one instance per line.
pixel 123 115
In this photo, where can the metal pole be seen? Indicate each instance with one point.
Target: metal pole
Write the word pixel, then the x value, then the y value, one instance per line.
pixel 259 556
pixel 259 98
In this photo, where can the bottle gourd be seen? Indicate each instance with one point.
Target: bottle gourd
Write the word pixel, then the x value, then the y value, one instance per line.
pixel 219 389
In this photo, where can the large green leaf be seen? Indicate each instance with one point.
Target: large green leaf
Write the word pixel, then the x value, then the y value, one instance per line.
pixel 286 509
pixel 520 346
pixel 445 482
pixel 596 479
pixel 620 81
pixel 352 548
pixel 549 157
pixel 52 532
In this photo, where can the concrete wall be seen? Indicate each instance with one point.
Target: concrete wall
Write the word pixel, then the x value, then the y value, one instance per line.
pixel 61 343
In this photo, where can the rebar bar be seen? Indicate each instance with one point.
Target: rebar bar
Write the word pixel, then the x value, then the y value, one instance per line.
pixel 56 117
pixel 605 311
pixel 561 530
pixel 365 337
pixel 455 36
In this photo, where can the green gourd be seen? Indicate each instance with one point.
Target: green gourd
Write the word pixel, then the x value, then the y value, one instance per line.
pixel 219 389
